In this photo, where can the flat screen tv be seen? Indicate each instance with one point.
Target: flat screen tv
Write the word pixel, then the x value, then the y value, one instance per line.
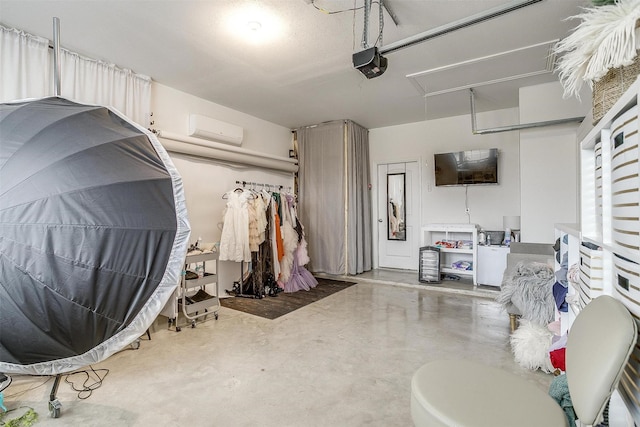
pixel 467 167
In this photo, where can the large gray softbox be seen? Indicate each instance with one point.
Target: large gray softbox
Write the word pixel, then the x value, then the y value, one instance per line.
pixel 93 232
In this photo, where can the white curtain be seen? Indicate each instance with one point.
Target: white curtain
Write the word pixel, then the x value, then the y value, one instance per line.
pixel 96 82
pixel 26 65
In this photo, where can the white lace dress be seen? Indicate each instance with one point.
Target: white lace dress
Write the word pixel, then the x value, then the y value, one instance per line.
pixel 234 241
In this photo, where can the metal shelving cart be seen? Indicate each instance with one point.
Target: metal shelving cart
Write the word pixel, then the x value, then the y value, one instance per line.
pixel 191 297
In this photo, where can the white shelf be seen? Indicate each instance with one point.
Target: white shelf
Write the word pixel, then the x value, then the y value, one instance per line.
pixel 571 229
pixel 459 251
pixel 432 233
pixel 609 197
pixel 456 271
pixel 597 197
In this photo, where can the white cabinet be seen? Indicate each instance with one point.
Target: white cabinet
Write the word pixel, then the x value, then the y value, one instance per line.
pixel 492 261
pixel 457 243
pixel 610 199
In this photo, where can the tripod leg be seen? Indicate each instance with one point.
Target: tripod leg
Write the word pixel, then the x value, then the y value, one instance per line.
pixel 54 404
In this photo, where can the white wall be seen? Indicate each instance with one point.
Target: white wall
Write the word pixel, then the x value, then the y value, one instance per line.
pixel 420 141
pixel 538 168
pixel 204 180
pixel 525 188
pixel 549 160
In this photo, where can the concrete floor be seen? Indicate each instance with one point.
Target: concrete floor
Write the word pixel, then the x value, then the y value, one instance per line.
pixel 346 360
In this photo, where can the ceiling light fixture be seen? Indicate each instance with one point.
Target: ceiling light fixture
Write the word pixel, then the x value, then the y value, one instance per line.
pixel 254 26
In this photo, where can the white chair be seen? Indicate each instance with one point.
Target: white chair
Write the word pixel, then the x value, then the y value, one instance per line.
pixel 463 393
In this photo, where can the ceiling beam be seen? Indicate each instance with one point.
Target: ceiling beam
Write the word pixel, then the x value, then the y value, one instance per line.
pixel 516 127
pixel 457 25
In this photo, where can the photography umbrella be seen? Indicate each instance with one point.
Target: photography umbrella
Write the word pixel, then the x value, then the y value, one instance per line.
pixel 93 233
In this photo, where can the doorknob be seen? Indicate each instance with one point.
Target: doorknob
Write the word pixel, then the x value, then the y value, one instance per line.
pixel 379 220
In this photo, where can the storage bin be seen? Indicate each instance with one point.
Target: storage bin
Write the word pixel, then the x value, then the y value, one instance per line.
pixel 591 274
pixel 598 185
pixel 429 264
pixel 625 180
pixel 627 282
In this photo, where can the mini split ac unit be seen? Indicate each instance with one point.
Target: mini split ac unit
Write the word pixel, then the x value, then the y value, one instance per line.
pixel 215 130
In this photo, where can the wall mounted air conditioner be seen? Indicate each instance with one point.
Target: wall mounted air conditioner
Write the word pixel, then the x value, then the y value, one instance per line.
pixel 215 130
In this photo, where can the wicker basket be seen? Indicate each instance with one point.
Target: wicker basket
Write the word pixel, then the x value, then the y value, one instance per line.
pixel 609 88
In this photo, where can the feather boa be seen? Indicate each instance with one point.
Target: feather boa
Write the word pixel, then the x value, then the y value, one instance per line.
pixel 605 39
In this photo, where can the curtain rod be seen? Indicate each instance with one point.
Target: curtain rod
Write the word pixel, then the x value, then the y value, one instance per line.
pixel 280 187
pixel 56 56
pixel 345 121
pixel 319 124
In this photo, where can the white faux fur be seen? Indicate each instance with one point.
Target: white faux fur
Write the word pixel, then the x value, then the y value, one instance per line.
pixel 530 344
pixel 605 39
pixel 529 287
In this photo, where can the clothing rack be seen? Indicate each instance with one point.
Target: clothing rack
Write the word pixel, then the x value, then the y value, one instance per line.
pixel 268 187
pixel 276 241
pixel 241 283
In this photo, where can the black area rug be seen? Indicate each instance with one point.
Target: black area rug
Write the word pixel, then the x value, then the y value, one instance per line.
pixel 274 307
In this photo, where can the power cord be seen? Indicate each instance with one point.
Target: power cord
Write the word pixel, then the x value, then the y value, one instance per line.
pixel 333 12
pixel 87 385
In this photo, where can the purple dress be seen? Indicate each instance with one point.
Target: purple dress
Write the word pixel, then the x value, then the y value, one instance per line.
pixel 300 277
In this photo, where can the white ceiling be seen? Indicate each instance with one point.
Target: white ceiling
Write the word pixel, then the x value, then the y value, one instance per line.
pixel 299 71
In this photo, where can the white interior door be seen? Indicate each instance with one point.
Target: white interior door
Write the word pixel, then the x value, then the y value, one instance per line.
pixel 393 252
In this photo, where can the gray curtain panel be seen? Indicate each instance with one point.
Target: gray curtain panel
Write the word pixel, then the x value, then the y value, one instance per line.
pixel 359 199
pixel 335 200
pixel 321 174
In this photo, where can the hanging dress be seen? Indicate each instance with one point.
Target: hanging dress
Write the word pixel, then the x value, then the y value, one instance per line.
pixel 261 211
pixel 234 241
pixel 274 238
pixel 254 232
pixel 289 239
pixel 300 278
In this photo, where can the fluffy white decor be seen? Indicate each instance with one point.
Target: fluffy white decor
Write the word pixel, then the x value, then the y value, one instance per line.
pixel 605 39
pixel 530 344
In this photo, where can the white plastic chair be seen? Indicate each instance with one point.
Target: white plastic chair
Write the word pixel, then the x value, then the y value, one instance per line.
pixel 464 393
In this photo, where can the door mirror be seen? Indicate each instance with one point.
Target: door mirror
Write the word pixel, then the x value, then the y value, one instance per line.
pixel 396 207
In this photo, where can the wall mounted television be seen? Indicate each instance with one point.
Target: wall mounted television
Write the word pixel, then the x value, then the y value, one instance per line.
pixel 470 167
